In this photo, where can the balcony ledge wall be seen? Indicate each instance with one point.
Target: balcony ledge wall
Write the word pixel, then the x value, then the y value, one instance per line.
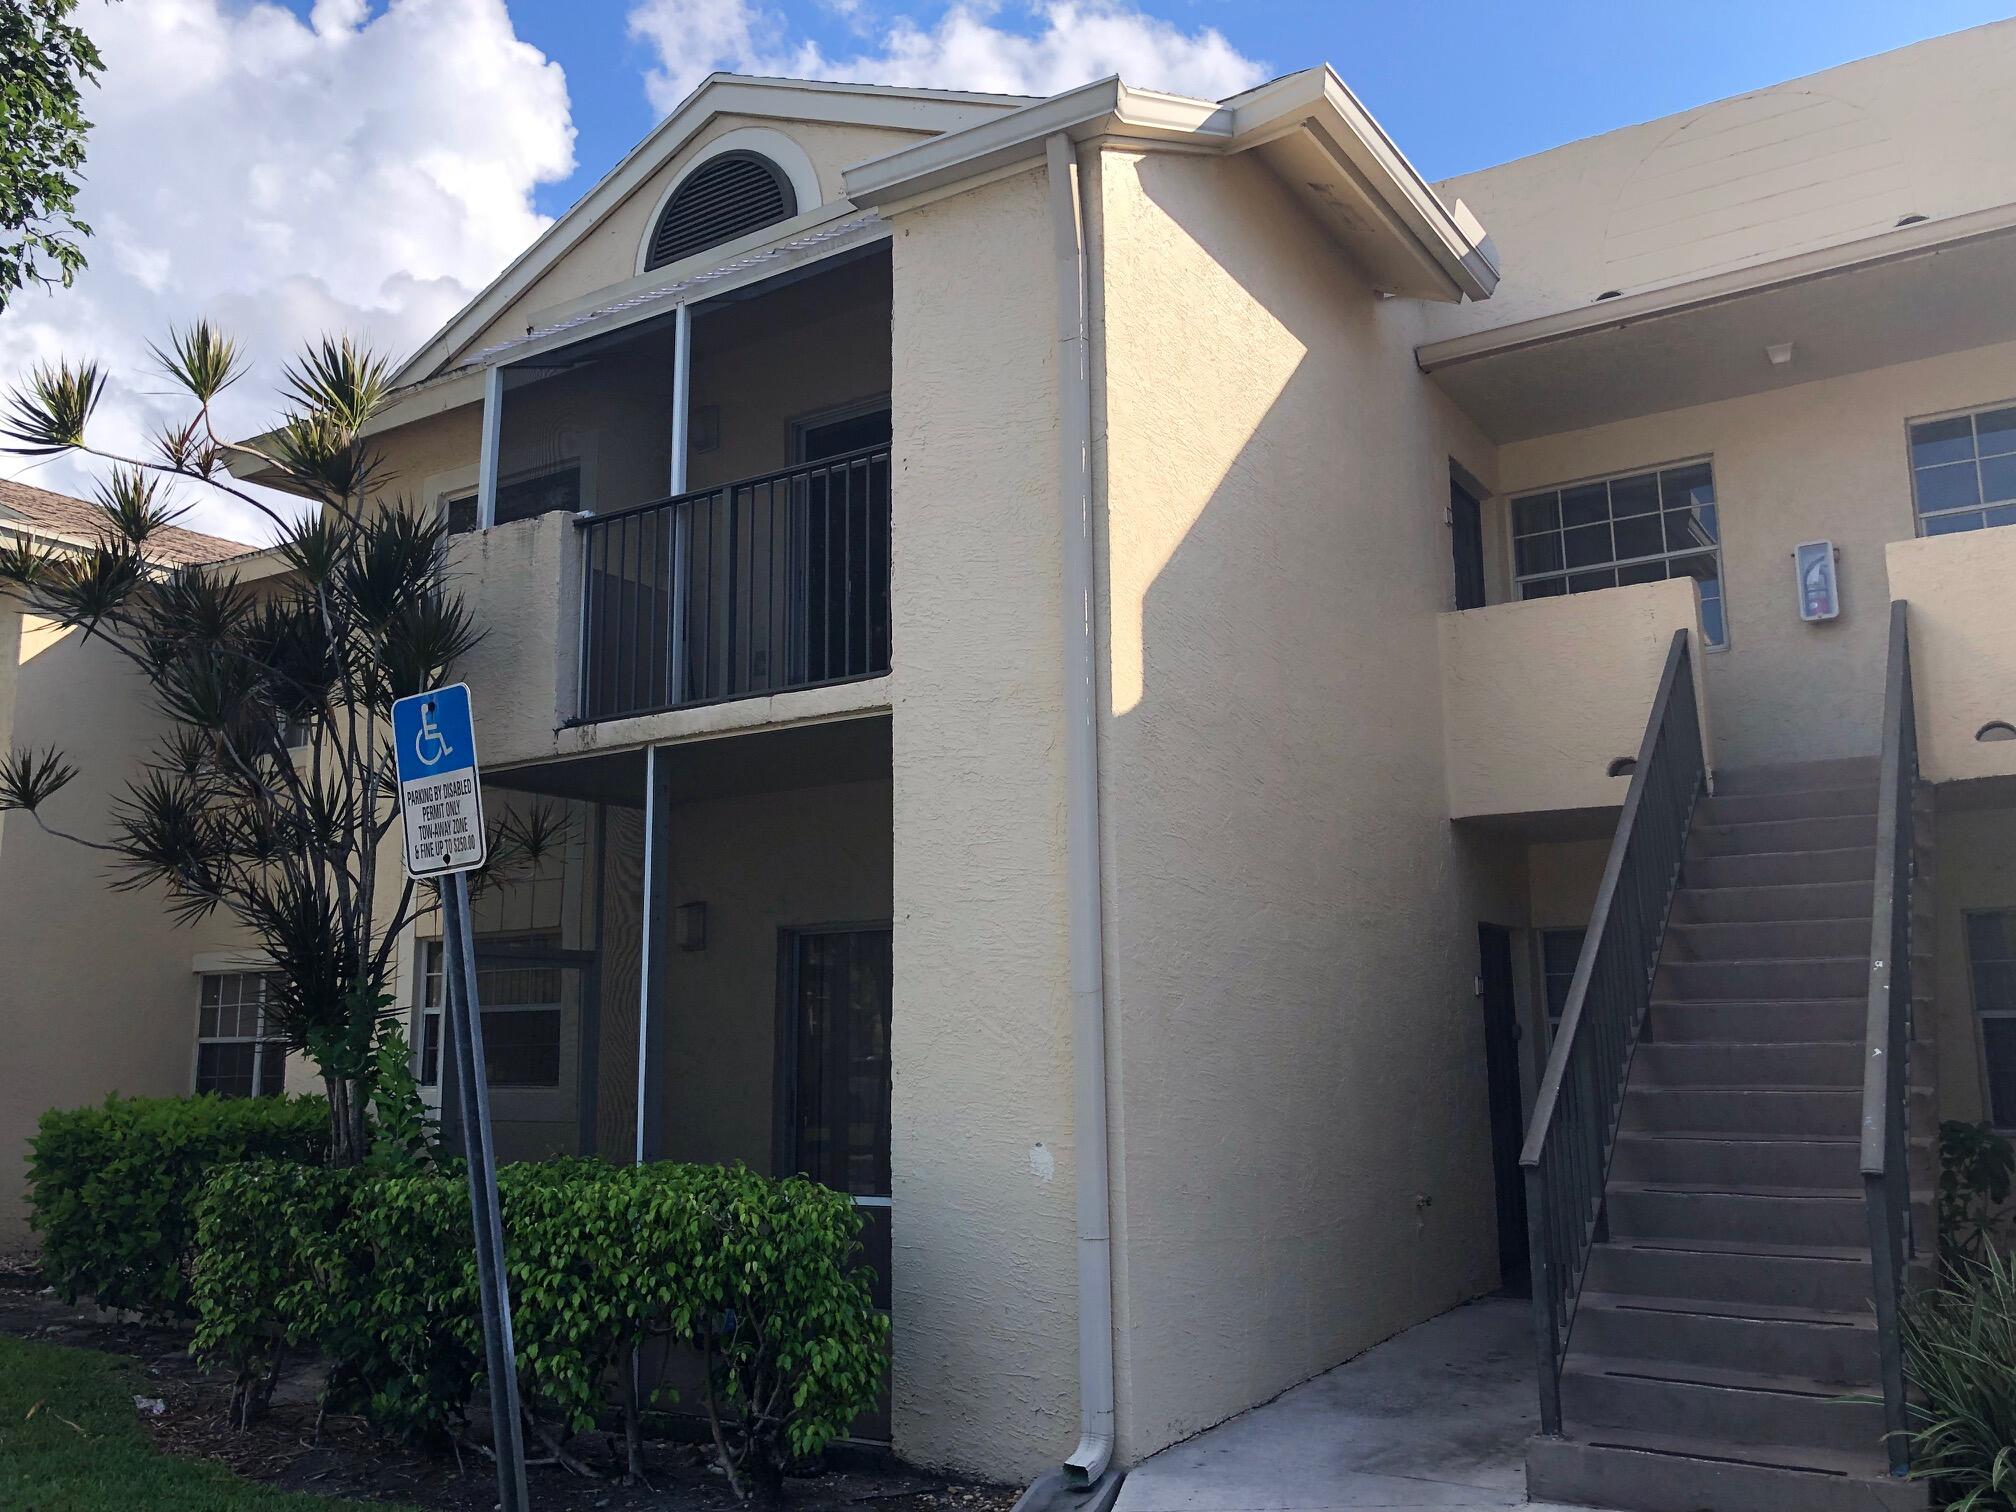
pixel 1963 658
pixel 1538 698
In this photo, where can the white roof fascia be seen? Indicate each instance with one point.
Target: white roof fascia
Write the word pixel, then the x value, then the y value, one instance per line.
pixel 1926 238
pixel 902 109
pixel 1314 100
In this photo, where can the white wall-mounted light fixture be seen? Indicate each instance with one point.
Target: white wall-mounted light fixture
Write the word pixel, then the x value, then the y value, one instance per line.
pixel 1780 353
pixel 1817 577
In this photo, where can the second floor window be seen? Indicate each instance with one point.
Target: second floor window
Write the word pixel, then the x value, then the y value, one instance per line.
pixel 521 498
pixel 1613 532
pixel 1963 471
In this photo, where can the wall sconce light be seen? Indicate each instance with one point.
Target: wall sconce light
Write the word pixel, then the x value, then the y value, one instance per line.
pixel 689 926
pixel 1780 353
pixel 1623 766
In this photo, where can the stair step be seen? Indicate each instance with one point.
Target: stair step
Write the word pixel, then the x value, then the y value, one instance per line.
pixel 1767 939
pixel 1789 776
pixel 1736 1063
pixel 1777 868
pixel 1816 1164
pixel 1824 1280
pixel 1721 1406
pixel 1767 836
pixel 1758 1020
pixel 1775 901
pixel 1788 1215
pixel 1744 1110
pixel 1837 1348
pixel 1663 1472
pixel 1789 803
pixel 1802 977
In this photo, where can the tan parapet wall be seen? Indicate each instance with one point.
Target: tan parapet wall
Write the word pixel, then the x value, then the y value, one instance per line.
pixel 1963 648
pixel 1539 698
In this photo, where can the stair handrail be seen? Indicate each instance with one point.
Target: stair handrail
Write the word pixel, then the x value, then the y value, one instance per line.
pixel 1886 1068
pixel 1570 1141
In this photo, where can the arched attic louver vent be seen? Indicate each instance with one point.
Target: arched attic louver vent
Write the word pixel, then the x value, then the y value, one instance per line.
pixel 724 198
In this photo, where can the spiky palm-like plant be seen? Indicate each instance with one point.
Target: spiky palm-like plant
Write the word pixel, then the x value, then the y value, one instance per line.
pixel 271 795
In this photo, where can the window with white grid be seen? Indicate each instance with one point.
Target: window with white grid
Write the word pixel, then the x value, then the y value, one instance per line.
pixel 235 1054
pixel 1640 527
pixel 521 1013
pixel 1963 471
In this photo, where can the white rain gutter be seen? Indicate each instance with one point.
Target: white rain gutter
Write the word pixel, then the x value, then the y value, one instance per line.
pixel 1094 1453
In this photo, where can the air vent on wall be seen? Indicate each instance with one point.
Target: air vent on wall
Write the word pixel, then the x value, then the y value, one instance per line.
pixel 724 198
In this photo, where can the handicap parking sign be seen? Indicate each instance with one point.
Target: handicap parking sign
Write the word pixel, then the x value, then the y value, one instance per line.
pixel 440 793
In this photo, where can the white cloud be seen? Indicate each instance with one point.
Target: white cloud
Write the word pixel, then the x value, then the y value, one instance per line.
pixel 356 172
pixel 1060 44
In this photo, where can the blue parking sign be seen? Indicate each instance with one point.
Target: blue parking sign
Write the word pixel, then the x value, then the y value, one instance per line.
pixel 440 792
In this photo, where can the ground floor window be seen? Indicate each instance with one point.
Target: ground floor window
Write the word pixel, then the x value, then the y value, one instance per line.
pixel 235 1057
pixel 1560 949
pixel 521 1012
pixel 1991 964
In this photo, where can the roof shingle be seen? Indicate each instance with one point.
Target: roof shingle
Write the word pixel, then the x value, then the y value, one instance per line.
pixel 78 520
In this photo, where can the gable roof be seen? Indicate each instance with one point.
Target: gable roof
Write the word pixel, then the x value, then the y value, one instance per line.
pixel 78 522
pixel 931 111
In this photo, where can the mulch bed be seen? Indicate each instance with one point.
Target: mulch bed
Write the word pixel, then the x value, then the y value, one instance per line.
pixel 348 1461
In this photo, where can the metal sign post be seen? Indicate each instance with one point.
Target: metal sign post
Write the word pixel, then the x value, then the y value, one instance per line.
pixel 441 811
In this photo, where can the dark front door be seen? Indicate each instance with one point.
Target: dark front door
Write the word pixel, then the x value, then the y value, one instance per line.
pixel 833 1114
pixel 1501 1061
pixel 1466 546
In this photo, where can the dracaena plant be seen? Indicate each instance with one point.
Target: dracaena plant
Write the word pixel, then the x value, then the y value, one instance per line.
pixel 269 796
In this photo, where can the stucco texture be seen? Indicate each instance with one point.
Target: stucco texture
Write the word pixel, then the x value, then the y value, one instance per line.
pixel 1824 460
pixel 984 1272
pixel 1963 649
pixel 1539 698
pixel 1300 1113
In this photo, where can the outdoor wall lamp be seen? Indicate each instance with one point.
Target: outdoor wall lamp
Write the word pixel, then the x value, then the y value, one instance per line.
pixel 689 926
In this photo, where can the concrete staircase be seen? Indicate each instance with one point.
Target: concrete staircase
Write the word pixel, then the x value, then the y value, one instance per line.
pixel 1726 1318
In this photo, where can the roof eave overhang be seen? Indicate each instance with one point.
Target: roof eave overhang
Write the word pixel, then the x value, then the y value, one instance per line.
pixel 1373 200
pixel 1717 289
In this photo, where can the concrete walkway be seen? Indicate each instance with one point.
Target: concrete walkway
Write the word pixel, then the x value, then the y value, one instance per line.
pixel 1437 1417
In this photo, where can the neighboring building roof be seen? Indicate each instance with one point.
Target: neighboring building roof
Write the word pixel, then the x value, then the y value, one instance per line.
pixel 58 517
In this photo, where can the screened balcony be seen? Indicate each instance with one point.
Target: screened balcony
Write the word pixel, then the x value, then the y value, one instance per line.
pixel 753 587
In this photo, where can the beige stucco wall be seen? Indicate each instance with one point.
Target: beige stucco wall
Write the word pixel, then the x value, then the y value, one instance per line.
pixel 1539 698
pixel 1811 162
pixel 1963 648
pixel 984 1274
pixel 608 254
pixel 1825 460
pixel 99 990
pixel 1300 1111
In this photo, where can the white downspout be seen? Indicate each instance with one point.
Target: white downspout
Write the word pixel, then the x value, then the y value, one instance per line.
pixel 1081 827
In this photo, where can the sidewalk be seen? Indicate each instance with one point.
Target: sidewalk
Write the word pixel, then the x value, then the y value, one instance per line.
pixel 1436 1417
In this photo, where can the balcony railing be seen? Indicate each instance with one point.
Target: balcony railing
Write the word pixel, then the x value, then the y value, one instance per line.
pixel 749 588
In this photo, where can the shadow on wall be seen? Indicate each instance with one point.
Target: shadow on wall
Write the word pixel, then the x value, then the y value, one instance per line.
pixel 1302 1110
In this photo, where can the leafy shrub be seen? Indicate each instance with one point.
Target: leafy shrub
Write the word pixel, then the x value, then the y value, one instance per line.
pixel 1976 1166
pixel 112 1188
pixel 1960 1353
pixel 376 1271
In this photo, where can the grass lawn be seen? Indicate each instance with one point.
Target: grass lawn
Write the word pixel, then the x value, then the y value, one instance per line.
pixel 71 1441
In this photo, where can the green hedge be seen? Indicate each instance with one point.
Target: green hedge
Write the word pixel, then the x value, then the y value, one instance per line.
pixel 375 1271
pixel 113 1188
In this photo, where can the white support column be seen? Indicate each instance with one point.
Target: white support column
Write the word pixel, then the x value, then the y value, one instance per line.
pixel 645 931
pixel 486 466
pixel 682 395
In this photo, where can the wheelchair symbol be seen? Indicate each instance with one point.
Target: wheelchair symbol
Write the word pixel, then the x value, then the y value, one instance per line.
pixel 430 735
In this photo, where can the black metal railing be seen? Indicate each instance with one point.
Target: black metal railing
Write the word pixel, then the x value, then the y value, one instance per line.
pixel 752 587
pixel 1581 1098
pixel 1886 1079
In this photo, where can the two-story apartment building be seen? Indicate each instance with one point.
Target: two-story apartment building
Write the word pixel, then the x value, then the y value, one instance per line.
pixel 1070 632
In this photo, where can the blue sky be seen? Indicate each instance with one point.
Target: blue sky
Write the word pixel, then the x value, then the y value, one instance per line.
pixel 1460 84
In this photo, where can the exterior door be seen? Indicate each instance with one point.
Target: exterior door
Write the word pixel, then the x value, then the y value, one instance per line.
pixel 1501 1061
pixel 1466 546
pixel 833 1103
